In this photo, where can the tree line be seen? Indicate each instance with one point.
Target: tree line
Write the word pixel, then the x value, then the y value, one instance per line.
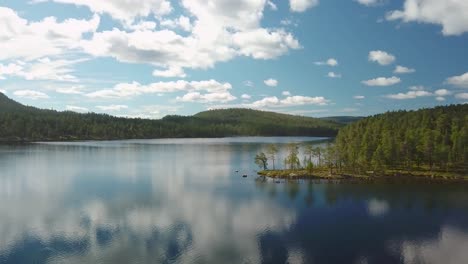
pixel 23 123
pixel 428 139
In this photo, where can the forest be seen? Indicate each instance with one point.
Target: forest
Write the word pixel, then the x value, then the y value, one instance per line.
pixel 424 141
pixel 24 123
pixel 435 138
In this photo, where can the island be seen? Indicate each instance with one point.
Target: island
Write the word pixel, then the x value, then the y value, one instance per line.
pixel 424 144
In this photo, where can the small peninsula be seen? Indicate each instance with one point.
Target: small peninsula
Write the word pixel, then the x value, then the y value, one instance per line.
pixel 423 144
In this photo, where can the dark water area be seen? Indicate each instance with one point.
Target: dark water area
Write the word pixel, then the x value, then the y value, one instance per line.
pixel 182 201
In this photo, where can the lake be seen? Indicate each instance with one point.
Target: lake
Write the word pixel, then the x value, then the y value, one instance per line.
pixel 182 201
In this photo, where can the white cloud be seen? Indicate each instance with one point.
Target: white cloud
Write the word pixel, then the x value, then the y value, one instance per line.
pixel 143 25
pixel 369 2
pixel 402 69
pixel 182 22
pixel 112 108
pixel 123 10
pixel 76 89
pixel 50 37
pixel 409 95
pixel 286 93
pixel 459 81
pixel 263 43
pixel 330 62
pixel 442 92
pixel 271 82
pixel 334 75
pixel 41 69
pixel 170 73
pixel 440 98
pixel 382 81
pixel 249 83
pixel 381 57
pixel 272 5
pixel 417 88
pixel 76 109
pixel 302 5
pixel 133 89
pixel 3 91
pixel 463 96
pixel 296 100
pixel 215 97
pixel 359 97
pixel 202 49
pixel 452 15
pixel 30 94
pixel 246 96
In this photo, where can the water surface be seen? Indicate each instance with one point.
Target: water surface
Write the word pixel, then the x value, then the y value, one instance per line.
pixel 182 201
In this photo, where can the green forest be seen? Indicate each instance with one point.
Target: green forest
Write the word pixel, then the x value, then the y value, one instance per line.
pixel 418 142
pixel 431 139
pixel 25 123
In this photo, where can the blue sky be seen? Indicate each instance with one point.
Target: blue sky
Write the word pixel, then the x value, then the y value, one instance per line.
pixel 151 58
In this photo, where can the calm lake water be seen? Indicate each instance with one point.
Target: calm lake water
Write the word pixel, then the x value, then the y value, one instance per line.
pixel 182 201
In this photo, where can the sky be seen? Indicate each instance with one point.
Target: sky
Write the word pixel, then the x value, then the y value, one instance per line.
pixel 151 58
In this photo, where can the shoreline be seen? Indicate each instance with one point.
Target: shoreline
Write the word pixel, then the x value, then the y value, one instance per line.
pixel 324 174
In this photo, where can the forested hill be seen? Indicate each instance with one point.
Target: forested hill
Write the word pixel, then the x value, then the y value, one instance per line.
pixel 435 138
pixel 24 123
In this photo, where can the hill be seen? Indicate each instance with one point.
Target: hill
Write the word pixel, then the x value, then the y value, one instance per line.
pixel 435 138
pixel 24 123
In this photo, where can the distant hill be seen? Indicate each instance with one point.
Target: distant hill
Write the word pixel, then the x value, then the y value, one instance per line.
pixel 343 119
pixel 24 123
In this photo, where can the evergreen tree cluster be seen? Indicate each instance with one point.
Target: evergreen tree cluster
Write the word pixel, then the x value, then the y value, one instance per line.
pixel 435 138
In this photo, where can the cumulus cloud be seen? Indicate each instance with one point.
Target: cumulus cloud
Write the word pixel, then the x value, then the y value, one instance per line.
pixel 462 96
pixel 369 2
pixel 286 93
pixel 76 89
pixel 296 100
pixel 442 92
pixel 330 62
pixel 123 10
pixel 359 97
pixel 112 108
pixel 382 81
pixel 381 57
pixel 246 96
pixel 50 37
pixel 302 5
pixel 41 69
pixel 334 75
pixel 170 72
pixel 215 97
pixel 3 91
pixel 459 81
pixel 409 95
pixel 217 31
pixel 182 22
pixel 78 109
pixel 133 89
pixel 402 69
pixel 30 94
pixel 451 15
pixel 271 82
